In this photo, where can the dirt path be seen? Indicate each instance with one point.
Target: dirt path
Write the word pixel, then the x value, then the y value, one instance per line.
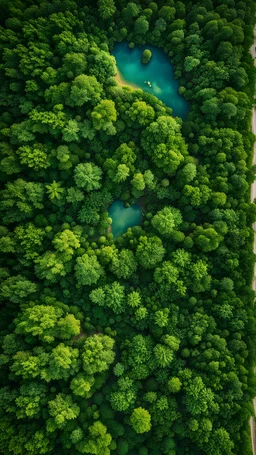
pixel 253 196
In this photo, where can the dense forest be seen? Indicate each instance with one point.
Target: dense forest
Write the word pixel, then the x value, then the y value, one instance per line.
pixel 144 344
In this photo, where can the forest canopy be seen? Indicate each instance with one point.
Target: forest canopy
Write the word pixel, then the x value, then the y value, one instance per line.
pixel 144 344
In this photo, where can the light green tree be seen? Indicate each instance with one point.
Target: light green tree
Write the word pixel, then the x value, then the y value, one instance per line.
pixel 97 353
pixel 123 264
pixel 50 266
pixel 62 363
pixel 88 176
pixel 146 56
pixel 166 220
pixel 54 190
pixel 88 270
pixel 81 385
pixel 61 409
pixel 84 88
pixel 174 385
pixel 149 252
pixel 104 115
pixel 97 442
pixel 141 112
pixel 66 242
pixel 141 420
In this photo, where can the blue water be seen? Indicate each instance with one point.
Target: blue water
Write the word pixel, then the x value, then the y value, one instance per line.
pixel 159 71
pixel 123 218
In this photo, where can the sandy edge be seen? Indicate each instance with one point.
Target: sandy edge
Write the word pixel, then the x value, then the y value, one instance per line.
pixel 123 83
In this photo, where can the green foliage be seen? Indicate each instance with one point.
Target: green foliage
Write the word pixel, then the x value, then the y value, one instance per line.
pixel 83 89
pixel 103 116
pixel 141 420
pixel 97 442
pixel 88 270
pixel 146 56
pixel 145 343
pixel 123 264
pixel 98 353
pixel 141 112
pixel 61 409
pixel 47 322
pixel 174 385
pixel 150 251
pixel 17 288
pixel 207 239
pixel 88 176
pixel 54 190
pixel 106 8
pixel 166 220
pixel 163 141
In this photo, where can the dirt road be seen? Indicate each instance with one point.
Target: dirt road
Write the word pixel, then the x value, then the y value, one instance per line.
pixel 253 196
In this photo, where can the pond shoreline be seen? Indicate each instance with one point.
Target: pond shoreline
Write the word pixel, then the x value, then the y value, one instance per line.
pixel 123 83
pixel 157 77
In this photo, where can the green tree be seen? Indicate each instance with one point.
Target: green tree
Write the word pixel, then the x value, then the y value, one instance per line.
pixel 35 157
pixel 74 64
pixel 81 385
pixel 134 299
pixel 97 442
pixel 17 288
pixel 97 353
pixel 46 322
pixel 61 409
pixel 146 56
pixel 167 13
pixel 50 266
pixel 66 242
pixel 138 182
pixel 88 270
pixel 163 355
pixel 29 239
pixel 88 176
pixel 161 317
pixel 104 115
pixel 62 363
pixel 130 11
pixel 54 190
pixel 174 385
pixel 162 140
pixel 207 239
pixel 149 252
pixel 198 398
pixel 115 297
pixel 141 420
pixel 106 8
pixel 121 173
pixel 20 199
pixel 141 113
pixel 123 264
pixel 84 89
pixel 166 220
pixel 125 396
pixel 220 443
pixel 141 26
pixel 70 131
pixel 30 400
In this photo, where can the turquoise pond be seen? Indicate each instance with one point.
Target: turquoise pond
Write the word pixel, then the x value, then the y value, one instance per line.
pixel 123 218
pixel 159 71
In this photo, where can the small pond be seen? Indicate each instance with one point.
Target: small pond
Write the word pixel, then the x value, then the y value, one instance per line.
pixel 123 218
pixel 159 72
